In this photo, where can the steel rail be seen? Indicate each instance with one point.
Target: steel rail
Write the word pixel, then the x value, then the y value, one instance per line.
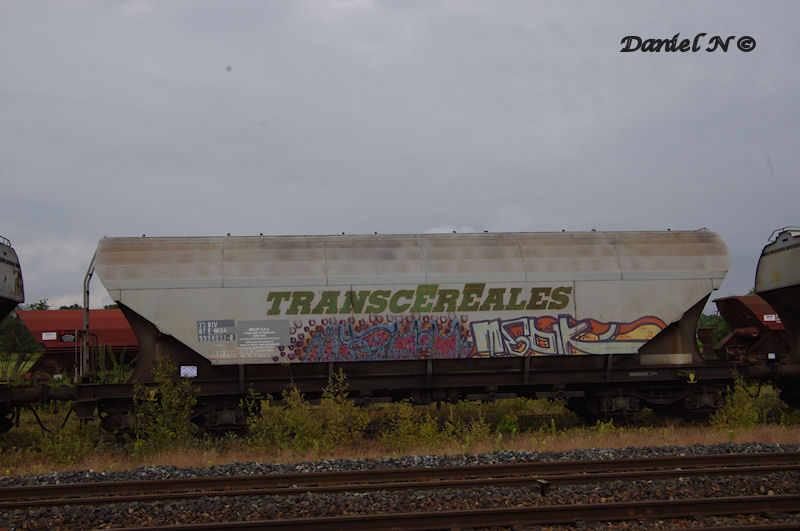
pixel 395 475
pixel 551 514
pixel 542 481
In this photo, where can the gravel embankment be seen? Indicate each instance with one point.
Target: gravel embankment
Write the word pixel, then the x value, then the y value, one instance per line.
pixel 266 507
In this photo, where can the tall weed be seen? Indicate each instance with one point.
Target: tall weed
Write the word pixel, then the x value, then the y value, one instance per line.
pixel 292 426
pixel 738 410
pixel 409 427
pixel 163 414
pixel 70 445
pixel 468 432
pixel 336 423
pixel 343 422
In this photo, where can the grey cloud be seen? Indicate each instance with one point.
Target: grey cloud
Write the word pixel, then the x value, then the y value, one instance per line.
pixel 123 118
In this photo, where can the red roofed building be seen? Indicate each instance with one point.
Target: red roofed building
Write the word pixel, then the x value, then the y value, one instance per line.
pixel 59 331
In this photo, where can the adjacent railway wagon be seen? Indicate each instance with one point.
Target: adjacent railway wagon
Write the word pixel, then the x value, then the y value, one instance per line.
pixel 60 332
pixel 605 320
pixel 11 294
pixel 757 332
pixel 778 282
pixel 11 289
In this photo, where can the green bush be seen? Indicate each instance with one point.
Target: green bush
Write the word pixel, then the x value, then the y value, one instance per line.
pixel 512 416
pixel 163 414
pixel 405 426
pixel 743 408
pixel 789 417
pixel 63 446
pixel 67 446
pixel 292 426
pixel 604 429
pixel 295 426
pixel 508 425
pixel 337 422
pixel 343 423
pixel 408 426
pixel 467 432
pixel 739 410
pixel 769 406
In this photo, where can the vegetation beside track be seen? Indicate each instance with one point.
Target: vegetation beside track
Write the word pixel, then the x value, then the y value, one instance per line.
pixel 296 430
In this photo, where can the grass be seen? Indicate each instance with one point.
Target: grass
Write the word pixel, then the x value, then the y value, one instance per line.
pixel 18 460
pixel 336 428
pixel 384 430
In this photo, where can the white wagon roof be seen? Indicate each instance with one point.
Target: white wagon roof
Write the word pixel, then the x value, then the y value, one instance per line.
pixel 195 262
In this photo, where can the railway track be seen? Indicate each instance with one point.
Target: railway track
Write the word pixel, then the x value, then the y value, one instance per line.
pixel 547 514
pixel 539 476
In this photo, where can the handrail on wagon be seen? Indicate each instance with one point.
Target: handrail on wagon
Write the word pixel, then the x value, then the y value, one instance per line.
pixel 776 232
pixel 82 365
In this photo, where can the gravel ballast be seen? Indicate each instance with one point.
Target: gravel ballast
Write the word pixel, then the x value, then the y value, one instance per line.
pixel 267 507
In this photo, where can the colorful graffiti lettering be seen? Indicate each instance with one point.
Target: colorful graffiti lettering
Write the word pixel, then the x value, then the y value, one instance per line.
pixel 561 335
pixel 399 339
pixel 443 337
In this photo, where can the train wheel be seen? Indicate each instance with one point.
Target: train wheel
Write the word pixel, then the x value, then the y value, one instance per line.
pixel 618 404
pixel 701 402
pixel 221 414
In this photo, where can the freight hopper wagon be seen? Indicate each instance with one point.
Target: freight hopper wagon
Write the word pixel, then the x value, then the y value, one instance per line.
pixel 605 320
pixel 778 283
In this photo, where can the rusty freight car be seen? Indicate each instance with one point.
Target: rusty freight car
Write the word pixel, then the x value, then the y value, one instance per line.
pixel 757 332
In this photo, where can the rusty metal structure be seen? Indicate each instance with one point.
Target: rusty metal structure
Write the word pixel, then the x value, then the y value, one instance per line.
pixel 778 282
pixel 11 289
pixel 757 332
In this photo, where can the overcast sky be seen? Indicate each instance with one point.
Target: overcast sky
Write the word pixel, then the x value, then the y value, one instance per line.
pixel 185 118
